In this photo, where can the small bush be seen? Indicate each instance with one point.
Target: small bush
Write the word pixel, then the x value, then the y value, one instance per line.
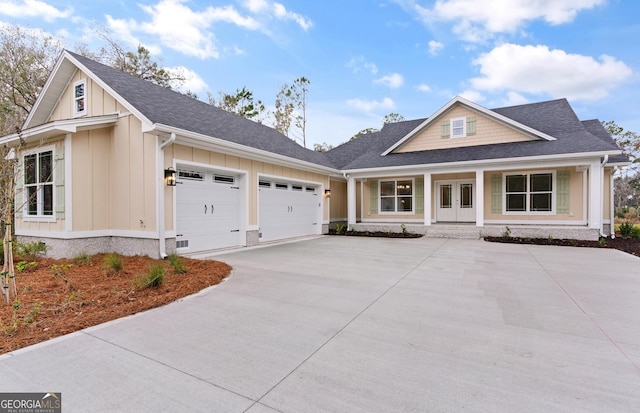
pixel 113 262
pixel 83 258
pixel 152 279
pixel 635 232
pixel 177 264
pixel 24 266
pixel 340 228
pixel 626 229
pixel 30 250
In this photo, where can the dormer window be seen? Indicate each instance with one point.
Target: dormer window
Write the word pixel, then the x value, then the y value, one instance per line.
pixel 458 128
pixel 80 98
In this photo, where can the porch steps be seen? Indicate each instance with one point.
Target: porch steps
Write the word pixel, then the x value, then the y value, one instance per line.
pixel 453 231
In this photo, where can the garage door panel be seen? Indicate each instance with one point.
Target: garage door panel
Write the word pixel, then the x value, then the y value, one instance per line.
pixel 287 213
pixel 208 214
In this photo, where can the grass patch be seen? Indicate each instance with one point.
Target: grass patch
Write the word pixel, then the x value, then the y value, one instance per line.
pixel 113 263
pixel 177 264
pixel 152 279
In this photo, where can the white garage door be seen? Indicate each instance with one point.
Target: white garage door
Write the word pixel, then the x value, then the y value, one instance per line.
pixel 207 211
pixel 288 210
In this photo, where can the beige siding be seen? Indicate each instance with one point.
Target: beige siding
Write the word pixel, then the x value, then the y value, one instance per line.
pixel 488 131
pixel 391 216
pixel 576 203
pixel 338 200
pixel 98 101
pixel 179 153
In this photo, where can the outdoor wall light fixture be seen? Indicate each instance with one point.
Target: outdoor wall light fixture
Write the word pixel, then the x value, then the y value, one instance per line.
pixel 327 193
pixel 170 176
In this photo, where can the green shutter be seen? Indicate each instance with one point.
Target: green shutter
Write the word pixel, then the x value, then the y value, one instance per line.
pixel 562 192
pixel 373 197
pixel 496 193
pixel 445 130
pixel 19 183
pixel 419 195
pixel 58 174
pixel 471 126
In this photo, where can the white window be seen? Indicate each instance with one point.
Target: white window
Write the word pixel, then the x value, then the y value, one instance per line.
pixel 38 184
pixel 80 98
pixel 529 193
pixel 458 127
pixel 396 196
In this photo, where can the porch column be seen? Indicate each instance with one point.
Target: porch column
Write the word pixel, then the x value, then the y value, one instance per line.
pixel 427 199
pixel 351 201
pixel 595 195
pixel 479 201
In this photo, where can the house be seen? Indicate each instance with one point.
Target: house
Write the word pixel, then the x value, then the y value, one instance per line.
pixel 112 163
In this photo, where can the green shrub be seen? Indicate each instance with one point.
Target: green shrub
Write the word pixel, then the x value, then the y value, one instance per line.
pixel 626 229
pixel 82 258
pixel 340 228
pixel 30 250
pixel 177 264
pixel 113 262
pixel 24 266
pixel 635 232
pixel 152 279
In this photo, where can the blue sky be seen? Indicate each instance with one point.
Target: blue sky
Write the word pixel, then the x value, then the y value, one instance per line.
pixel 367 58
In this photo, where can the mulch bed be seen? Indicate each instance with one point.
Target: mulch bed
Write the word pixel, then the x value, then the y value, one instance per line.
pixel 48 306
pixel 380 234
pixel 628 245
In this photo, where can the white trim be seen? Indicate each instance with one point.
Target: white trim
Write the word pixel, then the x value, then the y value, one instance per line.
pixel 541 161
pixel 351 201
pixel 93 234
pixel 606 221
pixel 395 205
pixel 479 109
pixel 479 195
pixel 528 193
pixel 24 215
pixel 585 195
pixel 464 128
pixel 534 223
pixel 253 228
pixel 391 219
pixel 68 184
pixel 62 127
pixel 427 194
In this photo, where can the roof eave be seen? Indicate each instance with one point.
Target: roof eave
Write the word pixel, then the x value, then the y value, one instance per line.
pixel 493 161
pixel 243 150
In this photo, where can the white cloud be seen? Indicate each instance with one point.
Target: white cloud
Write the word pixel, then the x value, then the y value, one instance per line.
pixel 33 8
pixel 476 20
pixel 472 95
pixel 193 82
pixel 393 80
pixel 277 10
pixel 371 105
pixel 356 64
pixel 540 71
pixel 423 87
pixel 435 47
pixel 515 98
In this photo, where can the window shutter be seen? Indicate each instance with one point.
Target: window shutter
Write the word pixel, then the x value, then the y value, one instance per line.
pixel 19 182
pixel 562 193
pixel 419 191
pixel 445 130
pixel 496 193
pixel 58 175
pixel 373 197
pixel 471 126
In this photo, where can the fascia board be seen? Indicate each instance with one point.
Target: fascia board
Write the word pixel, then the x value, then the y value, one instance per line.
pixel 485 164
pixel 45 88
pixel 209 142
pixel 477 108
pixel 62 127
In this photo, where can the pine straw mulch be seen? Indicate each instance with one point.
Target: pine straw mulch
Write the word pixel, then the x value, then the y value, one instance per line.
pixel 49 307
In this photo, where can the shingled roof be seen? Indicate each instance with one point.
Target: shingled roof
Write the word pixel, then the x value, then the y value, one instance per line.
pixel 164 106
pixel 555 118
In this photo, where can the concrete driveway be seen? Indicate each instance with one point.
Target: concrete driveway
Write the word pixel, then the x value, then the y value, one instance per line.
pixel 341 324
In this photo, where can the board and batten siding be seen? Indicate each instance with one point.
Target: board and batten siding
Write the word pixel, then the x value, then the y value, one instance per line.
pixel 177 153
